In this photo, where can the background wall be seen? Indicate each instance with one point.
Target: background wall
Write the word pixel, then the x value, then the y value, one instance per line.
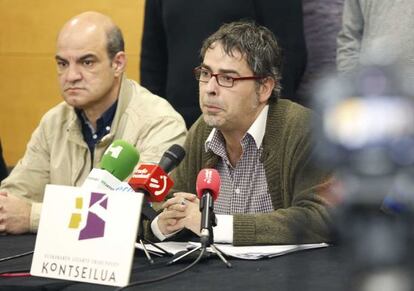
pixel 28 81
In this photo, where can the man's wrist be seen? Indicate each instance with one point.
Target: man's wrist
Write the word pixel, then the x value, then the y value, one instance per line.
pixel 34 216
pixel 157 231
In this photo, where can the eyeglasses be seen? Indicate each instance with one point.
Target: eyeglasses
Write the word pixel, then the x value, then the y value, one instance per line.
pixel 224 80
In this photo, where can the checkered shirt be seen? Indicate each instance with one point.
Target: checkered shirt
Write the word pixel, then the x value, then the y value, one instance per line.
pixel 243 187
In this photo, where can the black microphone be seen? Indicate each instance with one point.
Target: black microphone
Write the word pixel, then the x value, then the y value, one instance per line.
pixel 172 158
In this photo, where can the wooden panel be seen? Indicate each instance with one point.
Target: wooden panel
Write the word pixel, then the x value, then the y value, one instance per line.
pixel 28 82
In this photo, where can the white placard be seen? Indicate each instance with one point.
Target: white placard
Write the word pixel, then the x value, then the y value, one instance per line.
pixel 86 235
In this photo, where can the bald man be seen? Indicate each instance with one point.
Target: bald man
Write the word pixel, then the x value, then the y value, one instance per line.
pixel 100 105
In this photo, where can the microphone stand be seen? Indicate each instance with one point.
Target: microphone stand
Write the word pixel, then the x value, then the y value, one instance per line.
pixel 148 214
pixel 169 160
pixel 206 240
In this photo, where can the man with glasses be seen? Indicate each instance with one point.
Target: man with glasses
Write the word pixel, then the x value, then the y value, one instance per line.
pixel 271 192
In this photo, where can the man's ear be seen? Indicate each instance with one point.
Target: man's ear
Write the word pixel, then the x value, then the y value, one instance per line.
pixel 119 63
pixel 266 89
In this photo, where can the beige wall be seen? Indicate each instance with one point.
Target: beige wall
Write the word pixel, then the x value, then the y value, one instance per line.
pixel 28 83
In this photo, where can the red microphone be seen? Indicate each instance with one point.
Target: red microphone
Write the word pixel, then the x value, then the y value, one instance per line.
pixel 208 187
pixel 152 179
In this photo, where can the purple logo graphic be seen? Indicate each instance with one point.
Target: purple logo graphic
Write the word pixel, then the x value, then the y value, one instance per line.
pixel 95 222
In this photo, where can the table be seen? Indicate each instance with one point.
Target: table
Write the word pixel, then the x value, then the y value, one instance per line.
pixel 319 269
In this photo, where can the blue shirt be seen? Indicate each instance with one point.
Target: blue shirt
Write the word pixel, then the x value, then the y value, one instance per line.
pixel 103 126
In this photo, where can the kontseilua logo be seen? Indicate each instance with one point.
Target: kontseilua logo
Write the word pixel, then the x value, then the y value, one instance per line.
pixel 95 221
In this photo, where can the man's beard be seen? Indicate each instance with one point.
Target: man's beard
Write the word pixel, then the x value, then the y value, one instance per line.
pixel 213 121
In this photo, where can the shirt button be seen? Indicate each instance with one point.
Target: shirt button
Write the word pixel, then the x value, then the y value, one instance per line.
pixel 108 128
pixel 237 191
pixel 94 136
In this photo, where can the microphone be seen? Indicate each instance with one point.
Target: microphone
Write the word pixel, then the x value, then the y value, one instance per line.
pixel 152 179
pixel 120 159
pixel 153 182
pixel 172 158
pixel 208 187
pixel 117 163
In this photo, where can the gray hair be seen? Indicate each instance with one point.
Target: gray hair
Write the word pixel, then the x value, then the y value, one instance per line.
pixel 256 43
pixel 115 41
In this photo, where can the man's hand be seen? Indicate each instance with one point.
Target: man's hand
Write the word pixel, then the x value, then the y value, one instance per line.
pixel 14 214
pixel 180 211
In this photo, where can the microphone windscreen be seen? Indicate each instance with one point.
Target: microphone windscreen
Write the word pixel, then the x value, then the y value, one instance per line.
pixel 208 180
pixel 119 159
pixel 172 158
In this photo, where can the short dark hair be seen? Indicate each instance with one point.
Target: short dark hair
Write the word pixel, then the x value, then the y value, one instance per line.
pixel 257 43
pixel 115 41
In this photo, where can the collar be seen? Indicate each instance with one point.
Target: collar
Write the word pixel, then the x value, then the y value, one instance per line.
pixel 76 124
pixel 103 127
pixel 103 123
pixel 256 130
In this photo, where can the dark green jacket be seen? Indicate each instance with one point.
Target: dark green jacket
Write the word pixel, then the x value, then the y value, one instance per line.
pixel 294 182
